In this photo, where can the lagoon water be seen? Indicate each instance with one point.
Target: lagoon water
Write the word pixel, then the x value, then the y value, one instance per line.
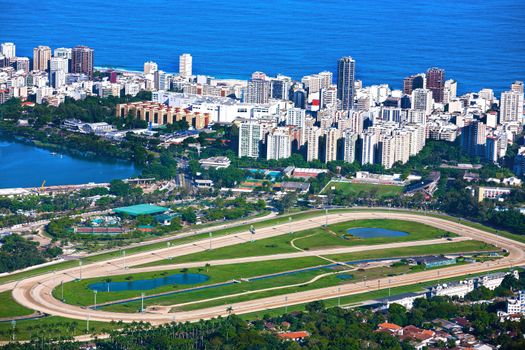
pixel 147 284
pixel 23 165
pixel 373 232
pixel 480 43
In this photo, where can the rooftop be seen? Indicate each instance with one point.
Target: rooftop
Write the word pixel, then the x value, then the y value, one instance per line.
pixel 140 209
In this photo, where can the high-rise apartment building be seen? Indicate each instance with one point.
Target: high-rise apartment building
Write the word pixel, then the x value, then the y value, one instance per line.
pixel 422 100
pixel 517 86
pixel 346 82
pixel 41 57
pixel 150 67
pixel 280 87
pixel 250 137
pixel 185 65
pixel 417 81
pixel 387 149
pixel 312 83
pixel 331 142
pixel 329 96
pixel 369 146
pixel 296 116
pixel 58 68
pixel 22 63
pixel 510 106
pixel 8 50
pixel 312 135
pixel 258 91
pixel 63 52
pixel 279 144
pixel 82 60
pixel 473 138
pixel 326 79
pixel 350 141
pixel 451 90
pixel 436 83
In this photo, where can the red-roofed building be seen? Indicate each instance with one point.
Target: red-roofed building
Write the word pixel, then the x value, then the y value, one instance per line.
pixel 295 336
pixel 391 328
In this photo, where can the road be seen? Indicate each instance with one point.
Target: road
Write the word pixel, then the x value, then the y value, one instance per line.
pixel 35 292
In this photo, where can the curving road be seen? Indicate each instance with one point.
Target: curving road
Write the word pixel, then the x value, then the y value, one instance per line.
pixel 35 292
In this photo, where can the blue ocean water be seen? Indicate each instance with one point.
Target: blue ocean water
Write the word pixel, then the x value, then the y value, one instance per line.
pixel 480 43
pixel 24 165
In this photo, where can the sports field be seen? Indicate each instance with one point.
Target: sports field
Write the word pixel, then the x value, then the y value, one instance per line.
pixel 364 189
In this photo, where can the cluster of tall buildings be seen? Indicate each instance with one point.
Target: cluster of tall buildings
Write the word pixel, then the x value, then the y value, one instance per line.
pixel 46 73
pixel 323 119
pixel 376 125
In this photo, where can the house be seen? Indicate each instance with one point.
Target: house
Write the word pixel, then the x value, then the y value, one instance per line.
pixel 422 337
pixel 295 336
pixel 391 328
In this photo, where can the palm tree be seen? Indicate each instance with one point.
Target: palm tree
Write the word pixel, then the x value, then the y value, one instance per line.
pixel 229 309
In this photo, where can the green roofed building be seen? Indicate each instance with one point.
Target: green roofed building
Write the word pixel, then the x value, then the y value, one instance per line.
pixel 141 209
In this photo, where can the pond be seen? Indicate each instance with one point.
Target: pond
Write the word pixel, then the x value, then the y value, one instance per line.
pixel 374 232
pixel 147 284
pixel 345 276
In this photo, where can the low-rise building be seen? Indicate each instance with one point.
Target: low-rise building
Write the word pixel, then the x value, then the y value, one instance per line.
pixel 215 162
pixel 492 193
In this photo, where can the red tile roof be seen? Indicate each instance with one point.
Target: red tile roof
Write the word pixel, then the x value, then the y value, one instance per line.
pixel 294 335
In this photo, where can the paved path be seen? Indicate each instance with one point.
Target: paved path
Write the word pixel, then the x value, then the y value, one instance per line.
pixel 35 292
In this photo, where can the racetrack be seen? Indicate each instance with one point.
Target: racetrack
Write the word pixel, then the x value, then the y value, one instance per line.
pixel 35 292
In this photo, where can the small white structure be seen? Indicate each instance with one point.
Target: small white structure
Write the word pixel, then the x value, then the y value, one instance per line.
pixel 215 162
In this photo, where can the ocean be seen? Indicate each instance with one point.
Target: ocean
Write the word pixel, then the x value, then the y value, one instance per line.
pixel 479 43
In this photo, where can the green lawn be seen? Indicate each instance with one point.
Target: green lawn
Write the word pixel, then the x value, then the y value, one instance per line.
pixel 348 188
pixel 77 292
pixel 337 235
pixel 321 238
pixel 280 219
pixel 10 308
pixel 300 278
pixel 333 280
pixel 449 248
pixel 152 246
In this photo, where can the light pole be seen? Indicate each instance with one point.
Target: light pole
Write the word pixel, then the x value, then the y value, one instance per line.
pixel 62 288
pixel 124 259
pixel 290 224
pixel 80 267
pixel 142 302
pixel 87 324
pixel 389 280
pixel 211 236
pixel 13 324
pixel 286 304
pixel 95 295
pixel 339 297
pixel 325 217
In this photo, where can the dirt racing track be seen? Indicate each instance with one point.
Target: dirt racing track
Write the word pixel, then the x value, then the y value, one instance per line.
pixel 35 292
